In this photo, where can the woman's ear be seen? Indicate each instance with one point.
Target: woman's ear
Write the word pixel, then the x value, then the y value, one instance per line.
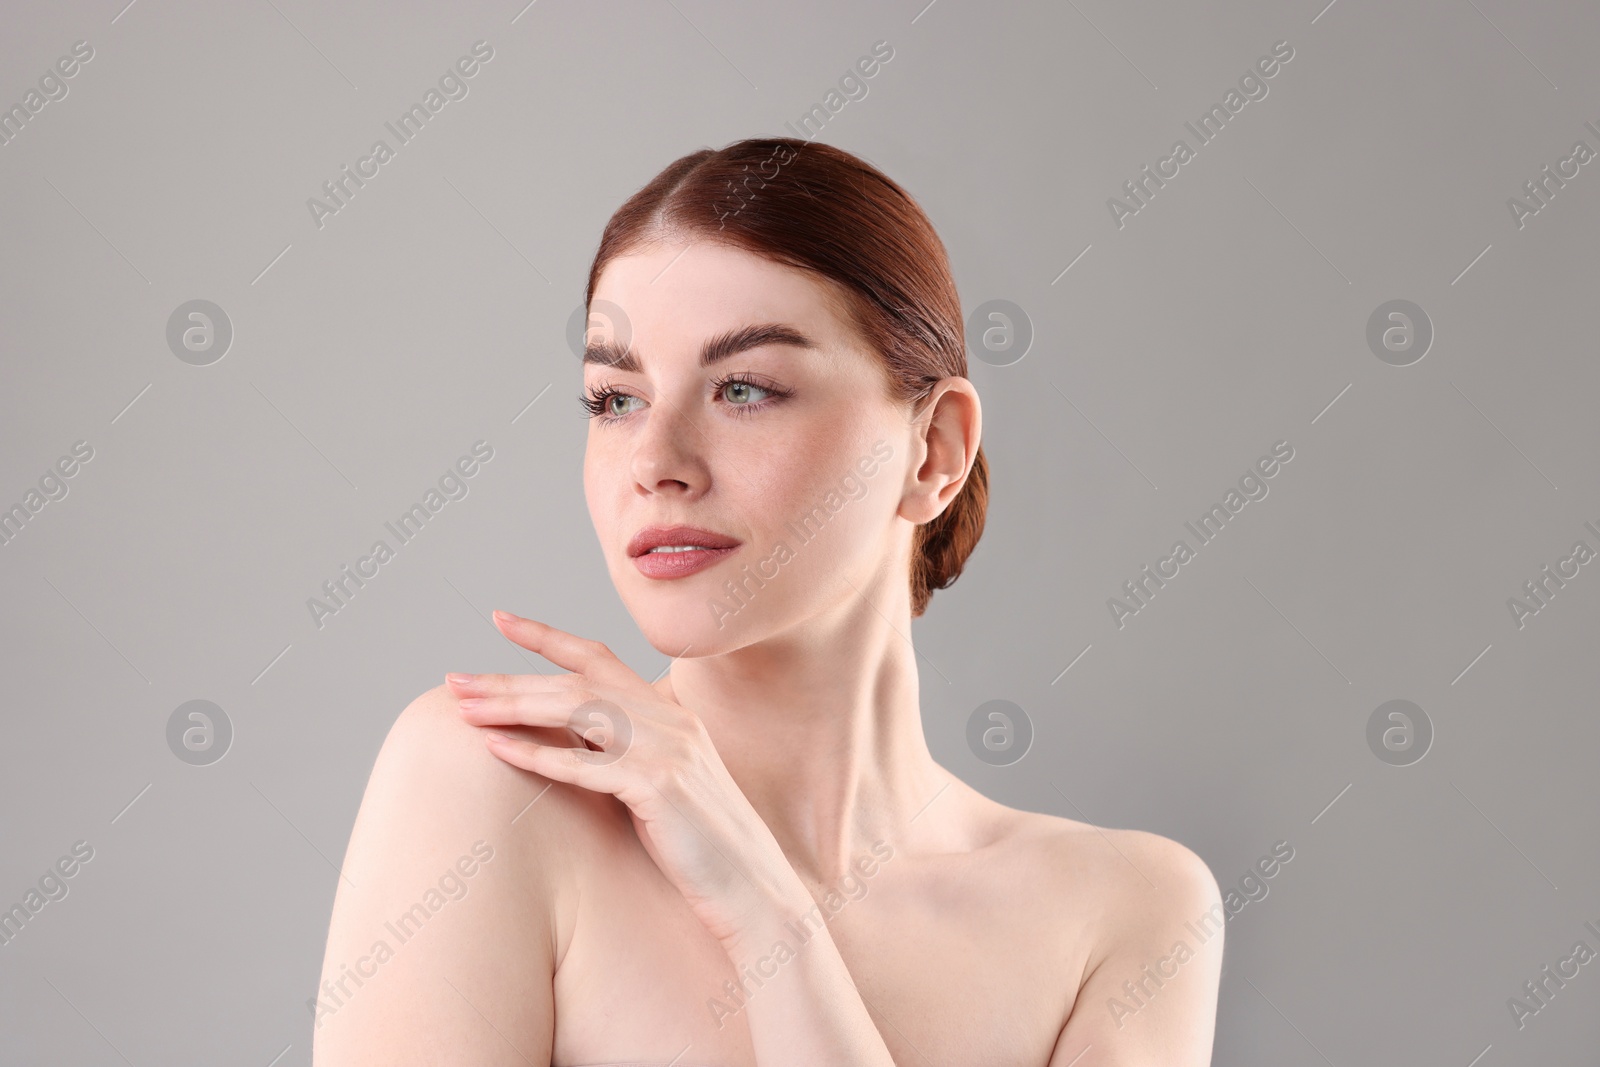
pixel 946 435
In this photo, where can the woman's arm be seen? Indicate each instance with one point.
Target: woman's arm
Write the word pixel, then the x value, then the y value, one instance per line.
pixel 702 832
pixel 1150 995
pixel 803 1008
pixel 440 947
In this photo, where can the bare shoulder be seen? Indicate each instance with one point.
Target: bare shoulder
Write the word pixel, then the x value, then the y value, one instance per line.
pixel 1124 886
pixel 434 756
pixel 435 781
pixel 1126 866
pixel 451 902
pixel 1154 940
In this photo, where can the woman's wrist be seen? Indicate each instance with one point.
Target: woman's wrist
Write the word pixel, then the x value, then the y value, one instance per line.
pixel 775 914
pixel 794 990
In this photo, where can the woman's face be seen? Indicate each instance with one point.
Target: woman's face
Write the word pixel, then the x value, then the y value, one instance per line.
pixel 788 444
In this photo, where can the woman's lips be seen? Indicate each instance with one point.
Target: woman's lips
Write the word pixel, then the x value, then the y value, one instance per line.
pixel 699 548
pixel 679 564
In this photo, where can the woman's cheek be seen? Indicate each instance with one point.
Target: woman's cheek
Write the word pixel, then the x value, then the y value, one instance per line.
pixel 842 513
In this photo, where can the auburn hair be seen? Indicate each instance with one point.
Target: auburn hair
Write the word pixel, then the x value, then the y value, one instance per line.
pixel 810 205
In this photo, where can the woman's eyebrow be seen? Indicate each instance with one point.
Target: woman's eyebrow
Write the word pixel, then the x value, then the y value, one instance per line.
pixel 746 337
pixel 624 358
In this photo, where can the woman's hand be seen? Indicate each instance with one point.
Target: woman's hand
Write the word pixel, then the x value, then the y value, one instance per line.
pixel 652 754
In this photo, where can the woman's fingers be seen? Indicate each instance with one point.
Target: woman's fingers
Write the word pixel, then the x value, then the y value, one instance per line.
pixel 601 723
pixel 575 766
pixel 568 651
pixel 489 685
pixel 590 664
pixel 581 701
pixel 525 709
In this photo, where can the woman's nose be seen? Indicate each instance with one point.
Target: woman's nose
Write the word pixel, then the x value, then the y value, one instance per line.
pixel 668 451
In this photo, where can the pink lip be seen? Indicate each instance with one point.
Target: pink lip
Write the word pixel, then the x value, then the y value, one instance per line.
pixel 667 565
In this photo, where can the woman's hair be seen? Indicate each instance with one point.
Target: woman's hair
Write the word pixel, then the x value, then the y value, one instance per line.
pixel 809 205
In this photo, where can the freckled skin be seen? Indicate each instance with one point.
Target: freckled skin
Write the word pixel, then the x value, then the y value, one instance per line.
pixel 682 455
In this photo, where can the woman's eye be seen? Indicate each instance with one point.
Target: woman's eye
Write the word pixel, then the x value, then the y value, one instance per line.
pixel 738 393
pixel 612 402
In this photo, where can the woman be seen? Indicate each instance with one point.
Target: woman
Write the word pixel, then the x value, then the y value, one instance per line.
pixel 754 859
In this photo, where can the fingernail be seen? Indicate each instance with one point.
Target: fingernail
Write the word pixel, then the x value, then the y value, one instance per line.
pixel 460 679
pixel 470 702
pixel 498 737
pixel 504 616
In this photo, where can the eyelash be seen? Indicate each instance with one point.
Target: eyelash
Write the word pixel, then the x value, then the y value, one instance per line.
pixel 596 399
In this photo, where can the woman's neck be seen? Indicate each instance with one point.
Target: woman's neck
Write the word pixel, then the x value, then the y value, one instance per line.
pixel 822 731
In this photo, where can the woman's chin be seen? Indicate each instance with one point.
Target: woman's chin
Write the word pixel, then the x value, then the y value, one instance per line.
pixel 682 641
pixel 689 634
pixel 695 616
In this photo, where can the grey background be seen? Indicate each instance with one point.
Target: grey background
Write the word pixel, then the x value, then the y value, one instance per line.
pixel 1228 314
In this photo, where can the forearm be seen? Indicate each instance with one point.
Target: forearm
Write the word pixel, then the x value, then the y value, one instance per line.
pixel 795 994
